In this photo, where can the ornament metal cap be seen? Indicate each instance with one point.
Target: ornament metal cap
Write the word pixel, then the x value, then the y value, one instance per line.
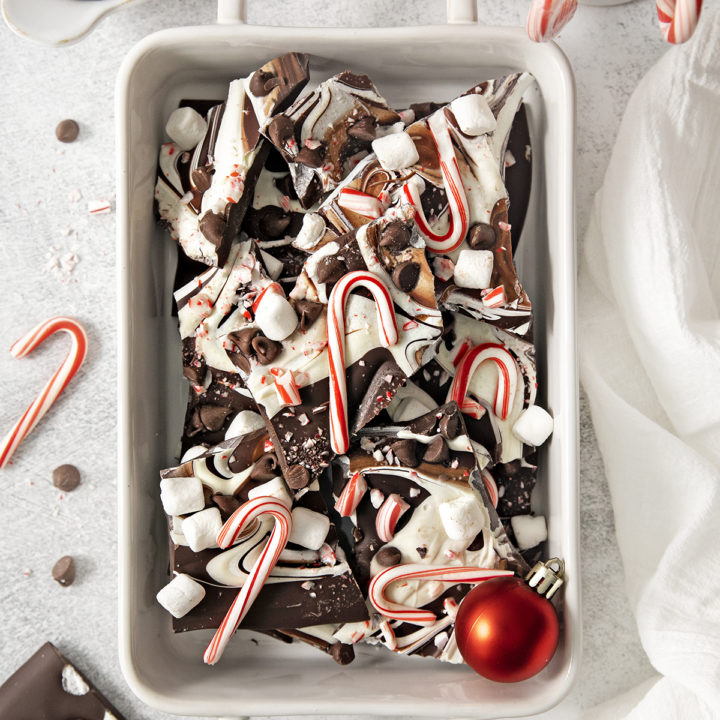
pixel 544 579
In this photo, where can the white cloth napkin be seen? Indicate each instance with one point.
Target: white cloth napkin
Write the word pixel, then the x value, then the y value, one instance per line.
pixel 650 364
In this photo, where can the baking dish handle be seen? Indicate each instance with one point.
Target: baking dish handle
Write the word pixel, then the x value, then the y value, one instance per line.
pixel 458 11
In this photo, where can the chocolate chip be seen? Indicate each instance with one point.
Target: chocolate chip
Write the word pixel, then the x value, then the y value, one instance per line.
pixel 228 504
pixel 388 556
pixel 424 109
pixel 477 544
pixel 311 157
pixel 67 131
pixel 66 477
pixel 421 551
pixel 265 467
pixel 363 129
pixel 341 653
pixel 437 451
pixel 406 275
pixel 308 312
pixel 201 179
pixel 212 226
pixel 481 236
pixel 265 349
pixel 423 425
pixel 395 237
pixel 194 373
pixel 330 269
pixel 213 416
pixel 272 82
pixel 285 185
pixel 239 360
pixel 63 571
pixel 258 83
pixel 297 477
pixel 280 130
pixel 405 451
pixel 273 221
pixel 243 339
pixel 449 425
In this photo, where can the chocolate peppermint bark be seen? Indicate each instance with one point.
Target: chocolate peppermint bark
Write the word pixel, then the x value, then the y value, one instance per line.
pixel 415 497
pixel 50 687
pixel 207 174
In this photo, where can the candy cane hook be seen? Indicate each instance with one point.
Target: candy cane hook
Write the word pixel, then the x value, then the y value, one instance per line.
pixel 678 19
pixel 339 437
pixel 416 571
pixel 507 377
pixel 546 18
pixel 244 516
pixel 57 383
pixel 457 202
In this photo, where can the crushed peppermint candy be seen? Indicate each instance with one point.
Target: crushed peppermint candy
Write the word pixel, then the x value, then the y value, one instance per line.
pixel 303 419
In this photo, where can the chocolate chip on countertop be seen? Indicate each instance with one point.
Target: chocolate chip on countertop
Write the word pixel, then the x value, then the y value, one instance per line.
pixel 330 269
pixel 212 226
pixel 280 130
pixel 67 131
pixel 341 653
pixel 265 467
pixel 63 571
pixel 265 349
pixel 213 416
pixel 363 129
pixel 481 236
pixel 437 451
pixel 66 477
pixel 388 556
pixel 311 157
pixel 395 237
pixel 297 477
pixel 406 275
pixel 308 312
pixel 405 452
pixel 449 425
pixel 227 504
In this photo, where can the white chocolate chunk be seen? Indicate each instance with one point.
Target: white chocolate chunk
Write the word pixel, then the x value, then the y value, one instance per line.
pixel 201 529
pixel 246 421
pixel 72 682
pixel 275 316
pixel 473 114
pixel 529 530
pixel 181 595
pixel 309 528
pixel 181 495
pixel 312 230
pixel 396 151
pixel 534 426
pixel 462 518
pixel 186 127
pixel 272 488
pixel 473 269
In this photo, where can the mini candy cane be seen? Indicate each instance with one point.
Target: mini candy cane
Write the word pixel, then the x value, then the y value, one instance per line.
pixel 678 19
pixel 546 18
pixel 339 438
pixel 495 297
pixel 388 515
pixel 240 519
pixel 351 495
pixel 54 386
pixel 286 387
pixel 507 377
pixel 490 486
pixel 457 202
pixel 416 571
pixel 361 203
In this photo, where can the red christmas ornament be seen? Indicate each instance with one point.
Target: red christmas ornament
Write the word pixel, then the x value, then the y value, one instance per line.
pixel 507 631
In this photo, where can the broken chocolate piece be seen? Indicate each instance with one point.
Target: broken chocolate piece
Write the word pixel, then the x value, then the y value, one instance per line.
pixel 66 477
pixel 383 386
pixel 213 417
pixel 63 571
pixel 363 129
pixel 310 157
pixel 280 130
pixel 212 226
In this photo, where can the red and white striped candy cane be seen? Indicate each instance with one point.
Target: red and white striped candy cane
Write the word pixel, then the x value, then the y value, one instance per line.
pixel 339 437
pixel 457 202
pixel 507 377
pixel 351 495
pixel 388 515
pixel 244 516
pixel 678 19
pixel 286 387
pixel 415 571
pixel 361 203
pixel 57 383
pixel 546 18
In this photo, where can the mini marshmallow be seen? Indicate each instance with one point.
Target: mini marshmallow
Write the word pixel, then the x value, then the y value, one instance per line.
pixel 201 529
pixel 534 426
pixel 186 127
pixel 529 530
pixel 473 269
pixel 272 488
pixel 396 151
pixel 473 114
pixel 312 230
pixel 309 528
pixel 181 495
pixel 462 518
pixel 275 316
pixel 246 421
pixel 181 595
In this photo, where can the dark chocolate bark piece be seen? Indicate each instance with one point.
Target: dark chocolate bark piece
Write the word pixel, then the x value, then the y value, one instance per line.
pixel 49 686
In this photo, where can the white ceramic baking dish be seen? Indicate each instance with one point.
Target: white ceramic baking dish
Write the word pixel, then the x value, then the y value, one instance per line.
pixel 408 64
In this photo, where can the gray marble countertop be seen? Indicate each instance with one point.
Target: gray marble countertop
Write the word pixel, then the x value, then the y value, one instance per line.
pixel 44 227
